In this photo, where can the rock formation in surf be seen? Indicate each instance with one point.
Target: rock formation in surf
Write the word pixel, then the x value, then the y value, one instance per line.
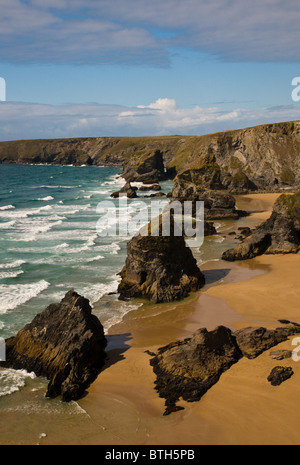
pixel 127 191
pixel 159 267
pixel 65 343
pixel 148 168
pixel 202 182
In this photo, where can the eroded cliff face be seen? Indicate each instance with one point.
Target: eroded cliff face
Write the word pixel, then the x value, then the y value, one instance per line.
pixel 266 155
pixel 278 234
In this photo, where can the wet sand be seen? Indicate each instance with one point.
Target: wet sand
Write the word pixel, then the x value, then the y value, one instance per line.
pixel 243 407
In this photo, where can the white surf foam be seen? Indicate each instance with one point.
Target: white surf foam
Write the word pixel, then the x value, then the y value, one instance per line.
pixel 13 295
pixel 14 264
pixel 10 274
pixel 7 207
pixel 47 198
pixel 7 225
pixel 12 380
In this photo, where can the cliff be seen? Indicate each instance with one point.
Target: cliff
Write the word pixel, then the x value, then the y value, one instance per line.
pixel 278 234
pixel 264 156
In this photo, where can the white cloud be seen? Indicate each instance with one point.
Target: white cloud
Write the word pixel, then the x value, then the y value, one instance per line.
pixel 162 117
pixel 135 31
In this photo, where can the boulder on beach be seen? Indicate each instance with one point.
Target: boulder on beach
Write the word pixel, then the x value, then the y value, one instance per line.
pixel 186 369
pixel 65 343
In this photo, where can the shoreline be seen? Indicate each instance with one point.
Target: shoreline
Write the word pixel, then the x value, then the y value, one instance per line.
pixel 122 406
pixel 242 408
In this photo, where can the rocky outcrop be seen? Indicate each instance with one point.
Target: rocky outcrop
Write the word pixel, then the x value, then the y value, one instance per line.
pixel 279 374
pixel 203 175
pixel 187 369
pixel 127 190
pixel 268 154
pixel 153 187
pixel 279 234
pixel 217 204
pixel 253 341
pixel 238 183
pixel 148 168
pixel 159 268
pixel 65 343
pixel 203 183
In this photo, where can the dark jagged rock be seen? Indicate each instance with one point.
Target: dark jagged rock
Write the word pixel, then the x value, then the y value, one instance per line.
pixel 220 205
pixel 153 187
pixel 202 183
pixel 280 354
pixel 252 341
pixel 159 268
pixel 187 369
pixel 238 183
pixel 65 344
pixel 157 195
pixel 203 175
pixel 148 168
pixel 243 233
pixel 209 228
pixel 127 190
pixel 280 374
pixel 279 234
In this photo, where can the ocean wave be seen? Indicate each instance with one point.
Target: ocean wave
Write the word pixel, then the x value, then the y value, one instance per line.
pixel 95 259
pixel 7 224
pixel 46 199
pixel 59 187
pixel 120 312
pixel 10 274
pixel 28 232
pixel 7 207
pixel 14 214
pixel 14 264
pixel 12 380
pixel 94 292
pixel 13 295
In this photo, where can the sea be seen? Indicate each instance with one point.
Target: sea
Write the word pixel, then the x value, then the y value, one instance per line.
pixel 50 243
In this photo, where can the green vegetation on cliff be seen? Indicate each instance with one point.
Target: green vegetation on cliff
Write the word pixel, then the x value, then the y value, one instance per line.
pixel 270 153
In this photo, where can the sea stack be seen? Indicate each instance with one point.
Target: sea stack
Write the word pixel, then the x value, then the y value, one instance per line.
pixel 159 268
pixel 65 344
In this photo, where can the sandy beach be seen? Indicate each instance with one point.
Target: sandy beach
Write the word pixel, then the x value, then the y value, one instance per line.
pixel 243 407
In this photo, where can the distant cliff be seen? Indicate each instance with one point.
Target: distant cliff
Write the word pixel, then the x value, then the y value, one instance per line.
pixel 266 155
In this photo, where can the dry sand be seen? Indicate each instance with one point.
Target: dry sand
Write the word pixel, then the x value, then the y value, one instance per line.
pixel 243 407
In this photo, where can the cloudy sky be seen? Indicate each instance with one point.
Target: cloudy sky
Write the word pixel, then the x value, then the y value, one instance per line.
pixel 76 68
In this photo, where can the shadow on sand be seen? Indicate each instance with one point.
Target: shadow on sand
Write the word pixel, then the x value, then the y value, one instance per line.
pixel 116 346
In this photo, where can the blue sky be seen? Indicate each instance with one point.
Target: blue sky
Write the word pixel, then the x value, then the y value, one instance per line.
pixel 77 68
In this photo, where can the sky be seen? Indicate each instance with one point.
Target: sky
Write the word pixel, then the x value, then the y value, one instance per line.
pixel 95 68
